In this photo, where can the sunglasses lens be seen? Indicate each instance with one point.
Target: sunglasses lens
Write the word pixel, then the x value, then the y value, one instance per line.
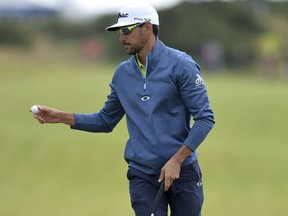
pixel 125 31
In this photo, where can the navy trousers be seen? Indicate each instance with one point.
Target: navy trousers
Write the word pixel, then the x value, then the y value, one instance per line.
pixel 185 196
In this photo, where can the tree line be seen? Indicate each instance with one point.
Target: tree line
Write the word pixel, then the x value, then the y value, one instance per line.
pixel 232 29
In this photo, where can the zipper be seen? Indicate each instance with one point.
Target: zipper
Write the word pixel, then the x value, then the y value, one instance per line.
pixel 145 74
pixel 144 83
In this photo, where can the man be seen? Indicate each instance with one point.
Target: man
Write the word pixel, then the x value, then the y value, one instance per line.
pixel 158 89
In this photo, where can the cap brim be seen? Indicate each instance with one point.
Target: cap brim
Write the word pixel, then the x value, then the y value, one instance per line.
pixel 116 26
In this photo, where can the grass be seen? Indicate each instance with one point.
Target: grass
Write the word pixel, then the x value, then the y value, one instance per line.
pixel 244 157
pixel 51 170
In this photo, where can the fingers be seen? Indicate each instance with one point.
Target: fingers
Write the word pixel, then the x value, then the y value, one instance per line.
pixel 167 183
pixel 169 173
pixel 162 174
pixel 168 179
pixel 40 118
pixel 40 113
pixel 43 109
pixel 162 178
pixel 50 115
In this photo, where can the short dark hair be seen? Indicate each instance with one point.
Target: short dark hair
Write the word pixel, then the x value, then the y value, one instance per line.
pixel 155 30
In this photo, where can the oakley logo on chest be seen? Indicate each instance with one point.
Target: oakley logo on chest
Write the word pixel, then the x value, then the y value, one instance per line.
pixel 145 98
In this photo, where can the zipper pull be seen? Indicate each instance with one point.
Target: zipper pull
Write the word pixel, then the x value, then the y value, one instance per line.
pixel 144 83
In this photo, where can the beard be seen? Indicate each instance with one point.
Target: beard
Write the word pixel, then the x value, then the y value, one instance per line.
pixel 137 47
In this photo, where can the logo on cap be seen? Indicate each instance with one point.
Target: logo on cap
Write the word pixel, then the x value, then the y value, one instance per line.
pixel 123 15
pixel 142 19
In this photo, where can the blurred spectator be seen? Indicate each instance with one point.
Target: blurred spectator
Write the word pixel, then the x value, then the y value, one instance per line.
pixel 259 7
pixel 241 55
pixel 212 56
pixel 270 55
pixel 285 60
pixel 91 48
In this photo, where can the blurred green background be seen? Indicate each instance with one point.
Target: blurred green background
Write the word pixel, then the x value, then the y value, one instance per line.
pixel 52 170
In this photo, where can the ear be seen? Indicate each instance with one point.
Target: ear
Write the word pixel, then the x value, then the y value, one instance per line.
pixel 149 28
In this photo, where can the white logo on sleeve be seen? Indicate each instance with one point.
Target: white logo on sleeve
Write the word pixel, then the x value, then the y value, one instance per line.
pixel 199 80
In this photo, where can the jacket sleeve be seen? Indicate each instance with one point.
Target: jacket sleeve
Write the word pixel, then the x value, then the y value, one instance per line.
pixel 195 96
pixel 103 121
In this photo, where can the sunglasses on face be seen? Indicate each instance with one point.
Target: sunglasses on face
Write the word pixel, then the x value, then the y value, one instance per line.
pixel 128 29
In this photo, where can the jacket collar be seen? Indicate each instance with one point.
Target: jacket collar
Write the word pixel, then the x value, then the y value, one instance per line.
pixel 157 50
pixel 153 57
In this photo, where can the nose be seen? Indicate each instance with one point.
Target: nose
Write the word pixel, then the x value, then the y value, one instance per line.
pixel 122 37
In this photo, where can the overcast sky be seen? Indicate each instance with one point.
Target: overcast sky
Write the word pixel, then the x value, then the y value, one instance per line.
pixel 92 7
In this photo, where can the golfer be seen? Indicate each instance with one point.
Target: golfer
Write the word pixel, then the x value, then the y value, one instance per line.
pixel 158 89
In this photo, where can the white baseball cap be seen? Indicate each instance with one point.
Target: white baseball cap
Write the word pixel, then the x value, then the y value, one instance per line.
pixel 135 13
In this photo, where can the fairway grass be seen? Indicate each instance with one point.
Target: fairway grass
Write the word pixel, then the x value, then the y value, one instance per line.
pixel 51 170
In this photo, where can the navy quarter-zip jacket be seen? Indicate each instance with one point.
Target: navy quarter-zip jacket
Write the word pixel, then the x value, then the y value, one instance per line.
pixel 158 108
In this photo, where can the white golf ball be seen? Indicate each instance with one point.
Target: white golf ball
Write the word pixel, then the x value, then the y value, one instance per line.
pixel 34 109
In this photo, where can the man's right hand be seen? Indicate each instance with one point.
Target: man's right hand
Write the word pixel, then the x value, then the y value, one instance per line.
pixel 51 115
